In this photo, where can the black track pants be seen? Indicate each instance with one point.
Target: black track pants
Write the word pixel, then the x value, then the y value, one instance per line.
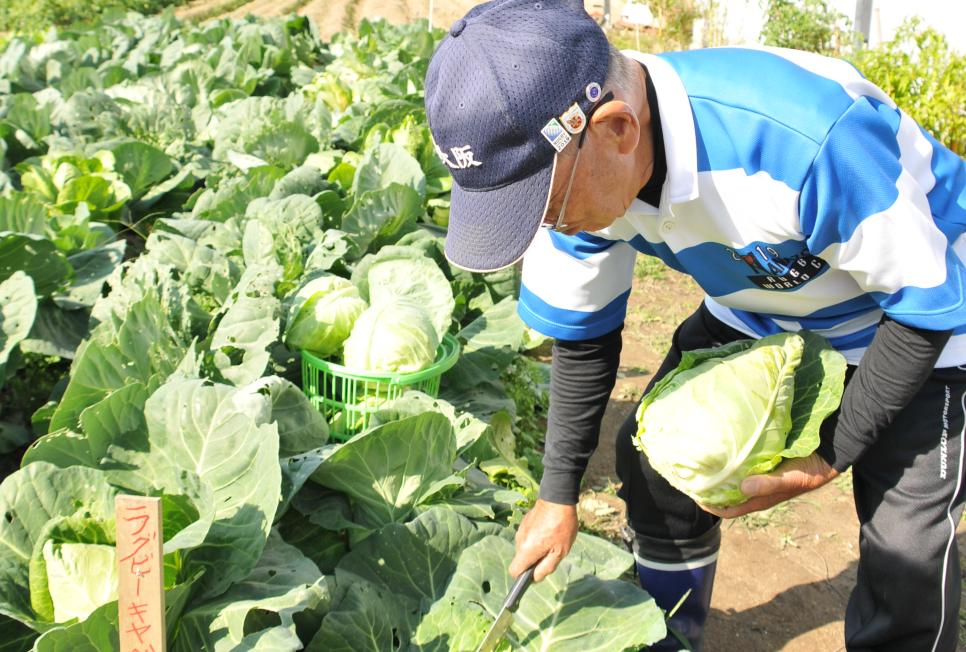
pixel 909 495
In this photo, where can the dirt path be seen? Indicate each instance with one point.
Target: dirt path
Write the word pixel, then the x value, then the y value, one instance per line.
pixel 328 15
pixel 395 11
pixel 333 16
pixel 198 9
pixel 264 8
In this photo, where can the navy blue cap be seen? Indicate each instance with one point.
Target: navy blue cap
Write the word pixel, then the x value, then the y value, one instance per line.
pixel 500 96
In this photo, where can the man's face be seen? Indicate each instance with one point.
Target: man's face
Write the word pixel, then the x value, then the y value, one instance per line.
pixel 605 183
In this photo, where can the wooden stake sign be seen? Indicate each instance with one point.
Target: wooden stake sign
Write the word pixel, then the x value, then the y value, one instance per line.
pixel 140 576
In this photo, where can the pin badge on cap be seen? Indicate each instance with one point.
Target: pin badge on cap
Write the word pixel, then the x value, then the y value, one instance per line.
pixel 555 135
pixel 593 91
pixel 573 119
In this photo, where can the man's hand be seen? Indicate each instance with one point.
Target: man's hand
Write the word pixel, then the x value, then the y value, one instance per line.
pixel 545 536
pixel 789 479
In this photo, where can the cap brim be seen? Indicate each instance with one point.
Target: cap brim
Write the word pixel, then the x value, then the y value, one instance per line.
pixel 489 230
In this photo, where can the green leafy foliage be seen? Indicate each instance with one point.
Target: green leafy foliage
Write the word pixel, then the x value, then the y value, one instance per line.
pixel 571 610
pixel 926 77
pixel 18 308
pixel 807 25
pixel 177 204
pixel 20 15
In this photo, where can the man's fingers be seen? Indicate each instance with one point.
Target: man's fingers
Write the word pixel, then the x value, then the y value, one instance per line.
pixel 752 505
pixel 762 485
pixel 544 538
pixel 793 476
pixel 523 560
pixel 527 554
pixel 547 565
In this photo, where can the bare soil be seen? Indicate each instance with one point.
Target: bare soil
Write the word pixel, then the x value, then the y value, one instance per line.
pixel 331 16
pixel 264 8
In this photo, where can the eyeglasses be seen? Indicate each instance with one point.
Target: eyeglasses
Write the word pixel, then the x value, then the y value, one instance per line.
pixel 560 224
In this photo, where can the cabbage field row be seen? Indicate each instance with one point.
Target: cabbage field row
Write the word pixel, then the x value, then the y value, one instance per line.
pixel 172 199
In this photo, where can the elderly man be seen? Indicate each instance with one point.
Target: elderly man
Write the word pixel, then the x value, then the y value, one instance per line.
pixel 798 196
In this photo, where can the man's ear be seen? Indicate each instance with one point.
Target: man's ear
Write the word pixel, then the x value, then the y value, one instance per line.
pixel 616 122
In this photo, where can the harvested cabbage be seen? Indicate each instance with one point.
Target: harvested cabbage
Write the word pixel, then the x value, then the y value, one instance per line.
pixel 397 336
pixel 322 314
pixel 738 410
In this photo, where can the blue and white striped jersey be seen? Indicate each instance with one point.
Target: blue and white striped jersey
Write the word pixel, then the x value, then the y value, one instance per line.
pixel 797 196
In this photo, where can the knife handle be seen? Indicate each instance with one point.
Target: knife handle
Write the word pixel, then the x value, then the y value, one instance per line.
pixel 519 587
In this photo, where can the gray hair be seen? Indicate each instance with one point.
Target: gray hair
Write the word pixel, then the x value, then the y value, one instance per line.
pixel 620 71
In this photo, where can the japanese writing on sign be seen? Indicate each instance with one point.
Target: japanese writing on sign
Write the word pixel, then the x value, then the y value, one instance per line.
pixel 140 576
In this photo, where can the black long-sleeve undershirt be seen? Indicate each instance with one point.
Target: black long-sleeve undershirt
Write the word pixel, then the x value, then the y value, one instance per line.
pixel 892 371
pixel 582 375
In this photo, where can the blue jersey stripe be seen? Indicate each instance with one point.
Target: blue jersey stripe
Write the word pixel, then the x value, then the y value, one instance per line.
pixel 570 324
pixel 730 138
pixel 581 245
pixel 853 176
pixel 763 83
pixel 766 129
pixel 936 308
pixel 859 339
pixel 837 313
pixel 658 250
pixel 721 270
pixel 819 323
pixel 756 323
pixel 947 199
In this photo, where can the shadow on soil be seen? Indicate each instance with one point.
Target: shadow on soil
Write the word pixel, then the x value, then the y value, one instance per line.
pixel 770 626
pixel 774 625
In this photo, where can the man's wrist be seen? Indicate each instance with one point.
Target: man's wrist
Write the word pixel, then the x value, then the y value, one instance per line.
pixel 837 454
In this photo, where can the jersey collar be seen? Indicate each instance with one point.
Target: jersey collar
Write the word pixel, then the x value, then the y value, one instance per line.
pixel 677 122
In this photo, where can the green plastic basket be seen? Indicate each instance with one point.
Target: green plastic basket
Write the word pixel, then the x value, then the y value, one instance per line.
pixel 339 392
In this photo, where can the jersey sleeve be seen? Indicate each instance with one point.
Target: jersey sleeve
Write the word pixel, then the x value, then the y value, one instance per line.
pixel 575 287
pixel 875 205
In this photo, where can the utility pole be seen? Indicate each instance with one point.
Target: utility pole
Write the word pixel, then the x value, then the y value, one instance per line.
pixel 863 19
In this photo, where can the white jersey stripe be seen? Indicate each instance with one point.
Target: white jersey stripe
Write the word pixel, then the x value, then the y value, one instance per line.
pixel 915 153
pixel 894 249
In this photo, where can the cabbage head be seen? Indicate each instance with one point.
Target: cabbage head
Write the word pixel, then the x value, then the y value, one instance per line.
pixel 738 410
pixel 322 314
pixel 397 336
